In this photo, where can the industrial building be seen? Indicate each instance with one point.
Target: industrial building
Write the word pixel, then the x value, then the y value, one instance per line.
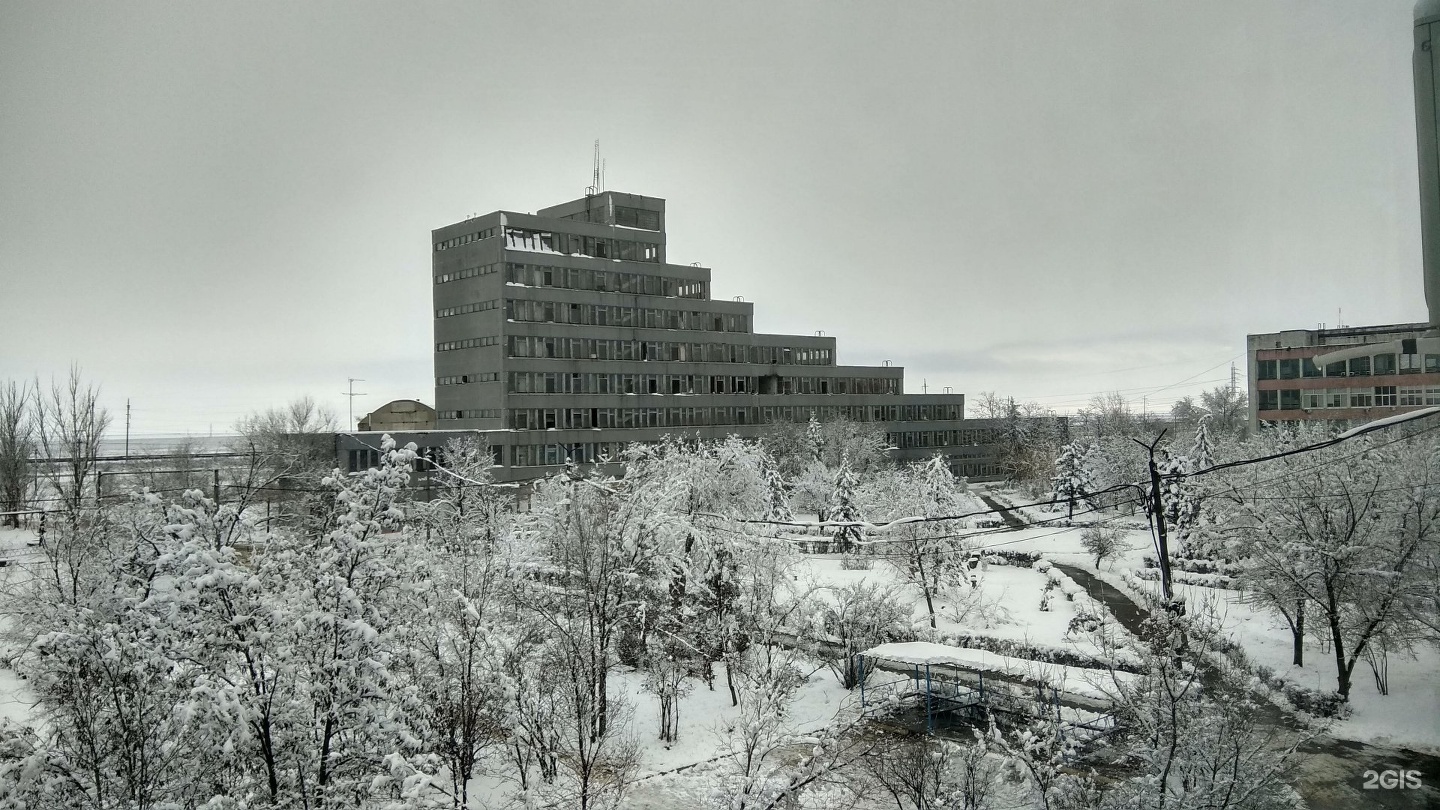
pixel 565 335
pixel 1380 377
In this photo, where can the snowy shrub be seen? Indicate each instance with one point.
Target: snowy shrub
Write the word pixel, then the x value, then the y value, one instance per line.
pixel 1102 543
pixel 1083 622
pixel 1019 559
pixel 1315 701
pixel 1122 660
pixel 1043 565
pixel 1196 565
pixel 856 562
pixel 1203 580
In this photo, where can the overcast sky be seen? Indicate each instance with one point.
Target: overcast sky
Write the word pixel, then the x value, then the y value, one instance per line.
pixel 213 208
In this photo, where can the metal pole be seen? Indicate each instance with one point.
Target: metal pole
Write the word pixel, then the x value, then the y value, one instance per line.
pixel 929 704
pixel 1157 519
pixel 216 480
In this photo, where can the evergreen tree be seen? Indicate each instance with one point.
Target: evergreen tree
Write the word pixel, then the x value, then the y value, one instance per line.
pixel 1073 481
pixel 777 505
pixel 1202 453
pixel 843 507
pixel 814 438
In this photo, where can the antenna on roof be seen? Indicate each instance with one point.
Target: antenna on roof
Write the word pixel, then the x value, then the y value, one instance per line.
pixel 595 173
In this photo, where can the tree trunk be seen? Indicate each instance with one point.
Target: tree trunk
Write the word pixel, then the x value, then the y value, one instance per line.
pixel 925 583
pixel 1297 631
pixel 1342 676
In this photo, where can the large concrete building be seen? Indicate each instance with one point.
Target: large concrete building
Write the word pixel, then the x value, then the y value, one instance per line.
pixel 566 334
pixel 1286 384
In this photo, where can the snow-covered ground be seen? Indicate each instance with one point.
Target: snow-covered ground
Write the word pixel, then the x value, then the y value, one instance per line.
pixel 15 698
pixel 706 715
pixel 1409 716
pixel 1007 606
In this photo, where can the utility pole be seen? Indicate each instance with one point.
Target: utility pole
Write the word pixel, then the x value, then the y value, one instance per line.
pixel 127 426
pixel 351 394
pixel 1157 519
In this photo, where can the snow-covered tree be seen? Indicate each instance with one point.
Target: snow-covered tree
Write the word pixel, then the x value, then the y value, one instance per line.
pixel 610 550
pixel 777 501
pixel 17 445
pixel 1344 529
pixel 1195 735
pixel 929 773
pixel 843 508
pixel 814 438
pixel 70 423
pixel 928 554
pixel 468 628
pixel 169 673
pixel 854 619
pixel 1073 479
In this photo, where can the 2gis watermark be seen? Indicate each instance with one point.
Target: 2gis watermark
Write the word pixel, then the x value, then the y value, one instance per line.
pixel 1393 779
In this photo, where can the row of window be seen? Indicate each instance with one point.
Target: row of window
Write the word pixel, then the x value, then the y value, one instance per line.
pixel 588 418
pixel 1379 396
pixel 466 309
pixel 466 379
pixel 560 382
pixel 537 455
pixel 600 247
pixel 468 343
pixel 468 272
pixel 638 317
pixel 464 240
pixel 1295 368
pixel 426 458
pixel 942 438
pixel 632 217
pixel 602 349
pixel 476 413
pixel 583 278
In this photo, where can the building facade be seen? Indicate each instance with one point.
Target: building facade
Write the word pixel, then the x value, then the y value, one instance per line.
pixel 1287 385
pixel 566 334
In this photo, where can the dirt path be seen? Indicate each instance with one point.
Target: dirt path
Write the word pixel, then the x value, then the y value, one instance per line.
pixel 1011 519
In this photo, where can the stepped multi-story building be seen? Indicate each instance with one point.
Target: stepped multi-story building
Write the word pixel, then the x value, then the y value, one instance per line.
pixel 565 334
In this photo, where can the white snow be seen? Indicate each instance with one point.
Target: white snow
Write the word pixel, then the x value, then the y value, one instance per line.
pixel 1074 680
pixel 1389 420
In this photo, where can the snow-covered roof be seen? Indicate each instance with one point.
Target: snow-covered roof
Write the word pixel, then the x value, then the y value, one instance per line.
pixel 1073 680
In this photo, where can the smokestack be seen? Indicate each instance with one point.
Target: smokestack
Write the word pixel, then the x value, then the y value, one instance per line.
pixel 1427 141
pixel 1427 136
